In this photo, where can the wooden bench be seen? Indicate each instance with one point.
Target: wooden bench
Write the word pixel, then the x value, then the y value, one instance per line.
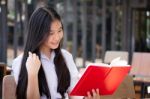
pixel 110 55
pixel 141 71
pixel 8 87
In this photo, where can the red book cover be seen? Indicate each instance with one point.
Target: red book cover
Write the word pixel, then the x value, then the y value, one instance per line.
pixel 106 78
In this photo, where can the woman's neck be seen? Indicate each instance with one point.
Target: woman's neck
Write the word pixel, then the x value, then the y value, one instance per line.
pixel 46 51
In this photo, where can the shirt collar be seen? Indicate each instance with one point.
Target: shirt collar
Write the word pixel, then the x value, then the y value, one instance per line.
pixel 43 56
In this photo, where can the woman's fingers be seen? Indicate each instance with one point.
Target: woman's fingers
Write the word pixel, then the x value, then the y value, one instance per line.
pixel 34 56
pixel 89 95
pixel 30 54
pixel 93 95
pixel 33 63
pixel 97 91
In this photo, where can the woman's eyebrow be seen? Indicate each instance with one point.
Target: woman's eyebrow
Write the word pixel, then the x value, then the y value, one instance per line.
pixel 57 30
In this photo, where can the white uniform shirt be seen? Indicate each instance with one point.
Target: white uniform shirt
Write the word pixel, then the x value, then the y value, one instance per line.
pixel 50 73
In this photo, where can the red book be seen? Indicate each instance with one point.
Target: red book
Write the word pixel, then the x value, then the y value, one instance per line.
pixel 104 77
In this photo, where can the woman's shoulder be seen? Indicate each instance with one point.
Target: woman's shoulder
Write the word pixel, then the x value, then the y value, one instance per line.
pixel 69 59
pixel 18 59
pixel 16 65
pixel 66 53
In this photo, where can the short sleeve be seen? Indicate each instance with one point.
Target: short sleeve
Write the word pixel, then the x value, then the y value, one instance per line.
pixel 16 65
pixel 72 68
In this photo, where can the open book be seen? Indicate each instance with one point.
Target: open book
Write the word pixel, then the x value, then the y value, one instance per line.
pixel 106 78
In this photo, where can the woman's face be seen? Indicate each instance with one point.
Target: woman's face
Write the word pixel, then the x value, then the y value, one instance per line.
pixel 55 35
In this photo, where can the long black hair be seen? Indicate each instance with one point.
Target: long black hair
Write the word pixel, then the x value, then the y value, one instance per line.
pixel 38 31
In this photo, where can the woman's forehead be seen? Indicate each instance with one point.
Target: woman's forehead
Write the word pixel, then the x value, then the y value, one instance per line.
pixel 55 25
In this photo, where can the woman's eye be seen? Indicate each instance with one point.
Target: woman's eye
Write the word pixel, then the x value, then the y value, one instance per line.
pixel 51 33
pixel 60 31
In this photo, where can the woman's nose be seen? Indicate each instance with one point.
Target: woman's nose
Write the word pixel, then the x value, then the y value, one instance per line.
pixel 56 36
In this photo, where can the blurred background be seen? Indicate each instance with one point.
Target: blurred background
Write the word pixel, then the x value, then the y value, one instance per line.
pixel 92 27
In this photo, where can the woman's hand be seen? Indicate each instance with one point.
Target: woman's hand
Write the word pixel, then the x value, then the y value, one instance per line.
pixel 33 64
pixel 94 95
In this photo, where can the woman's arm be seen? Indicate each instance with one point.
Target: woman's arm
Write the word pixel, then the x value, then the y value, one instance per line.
pixel 33 87
pixel 33 65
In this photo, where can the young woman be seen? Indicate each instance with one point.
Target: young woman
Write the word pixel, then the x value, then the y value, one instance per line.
pixel 44 70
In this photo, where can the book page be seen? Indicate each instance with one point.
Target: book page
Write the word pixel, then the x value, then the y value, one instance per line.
pixel 115 62
pixel 98 64
pixel 118 62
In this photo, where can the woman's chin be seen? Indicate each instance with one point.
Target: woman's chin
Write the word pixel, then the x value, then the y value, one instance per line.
pixel 54 47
